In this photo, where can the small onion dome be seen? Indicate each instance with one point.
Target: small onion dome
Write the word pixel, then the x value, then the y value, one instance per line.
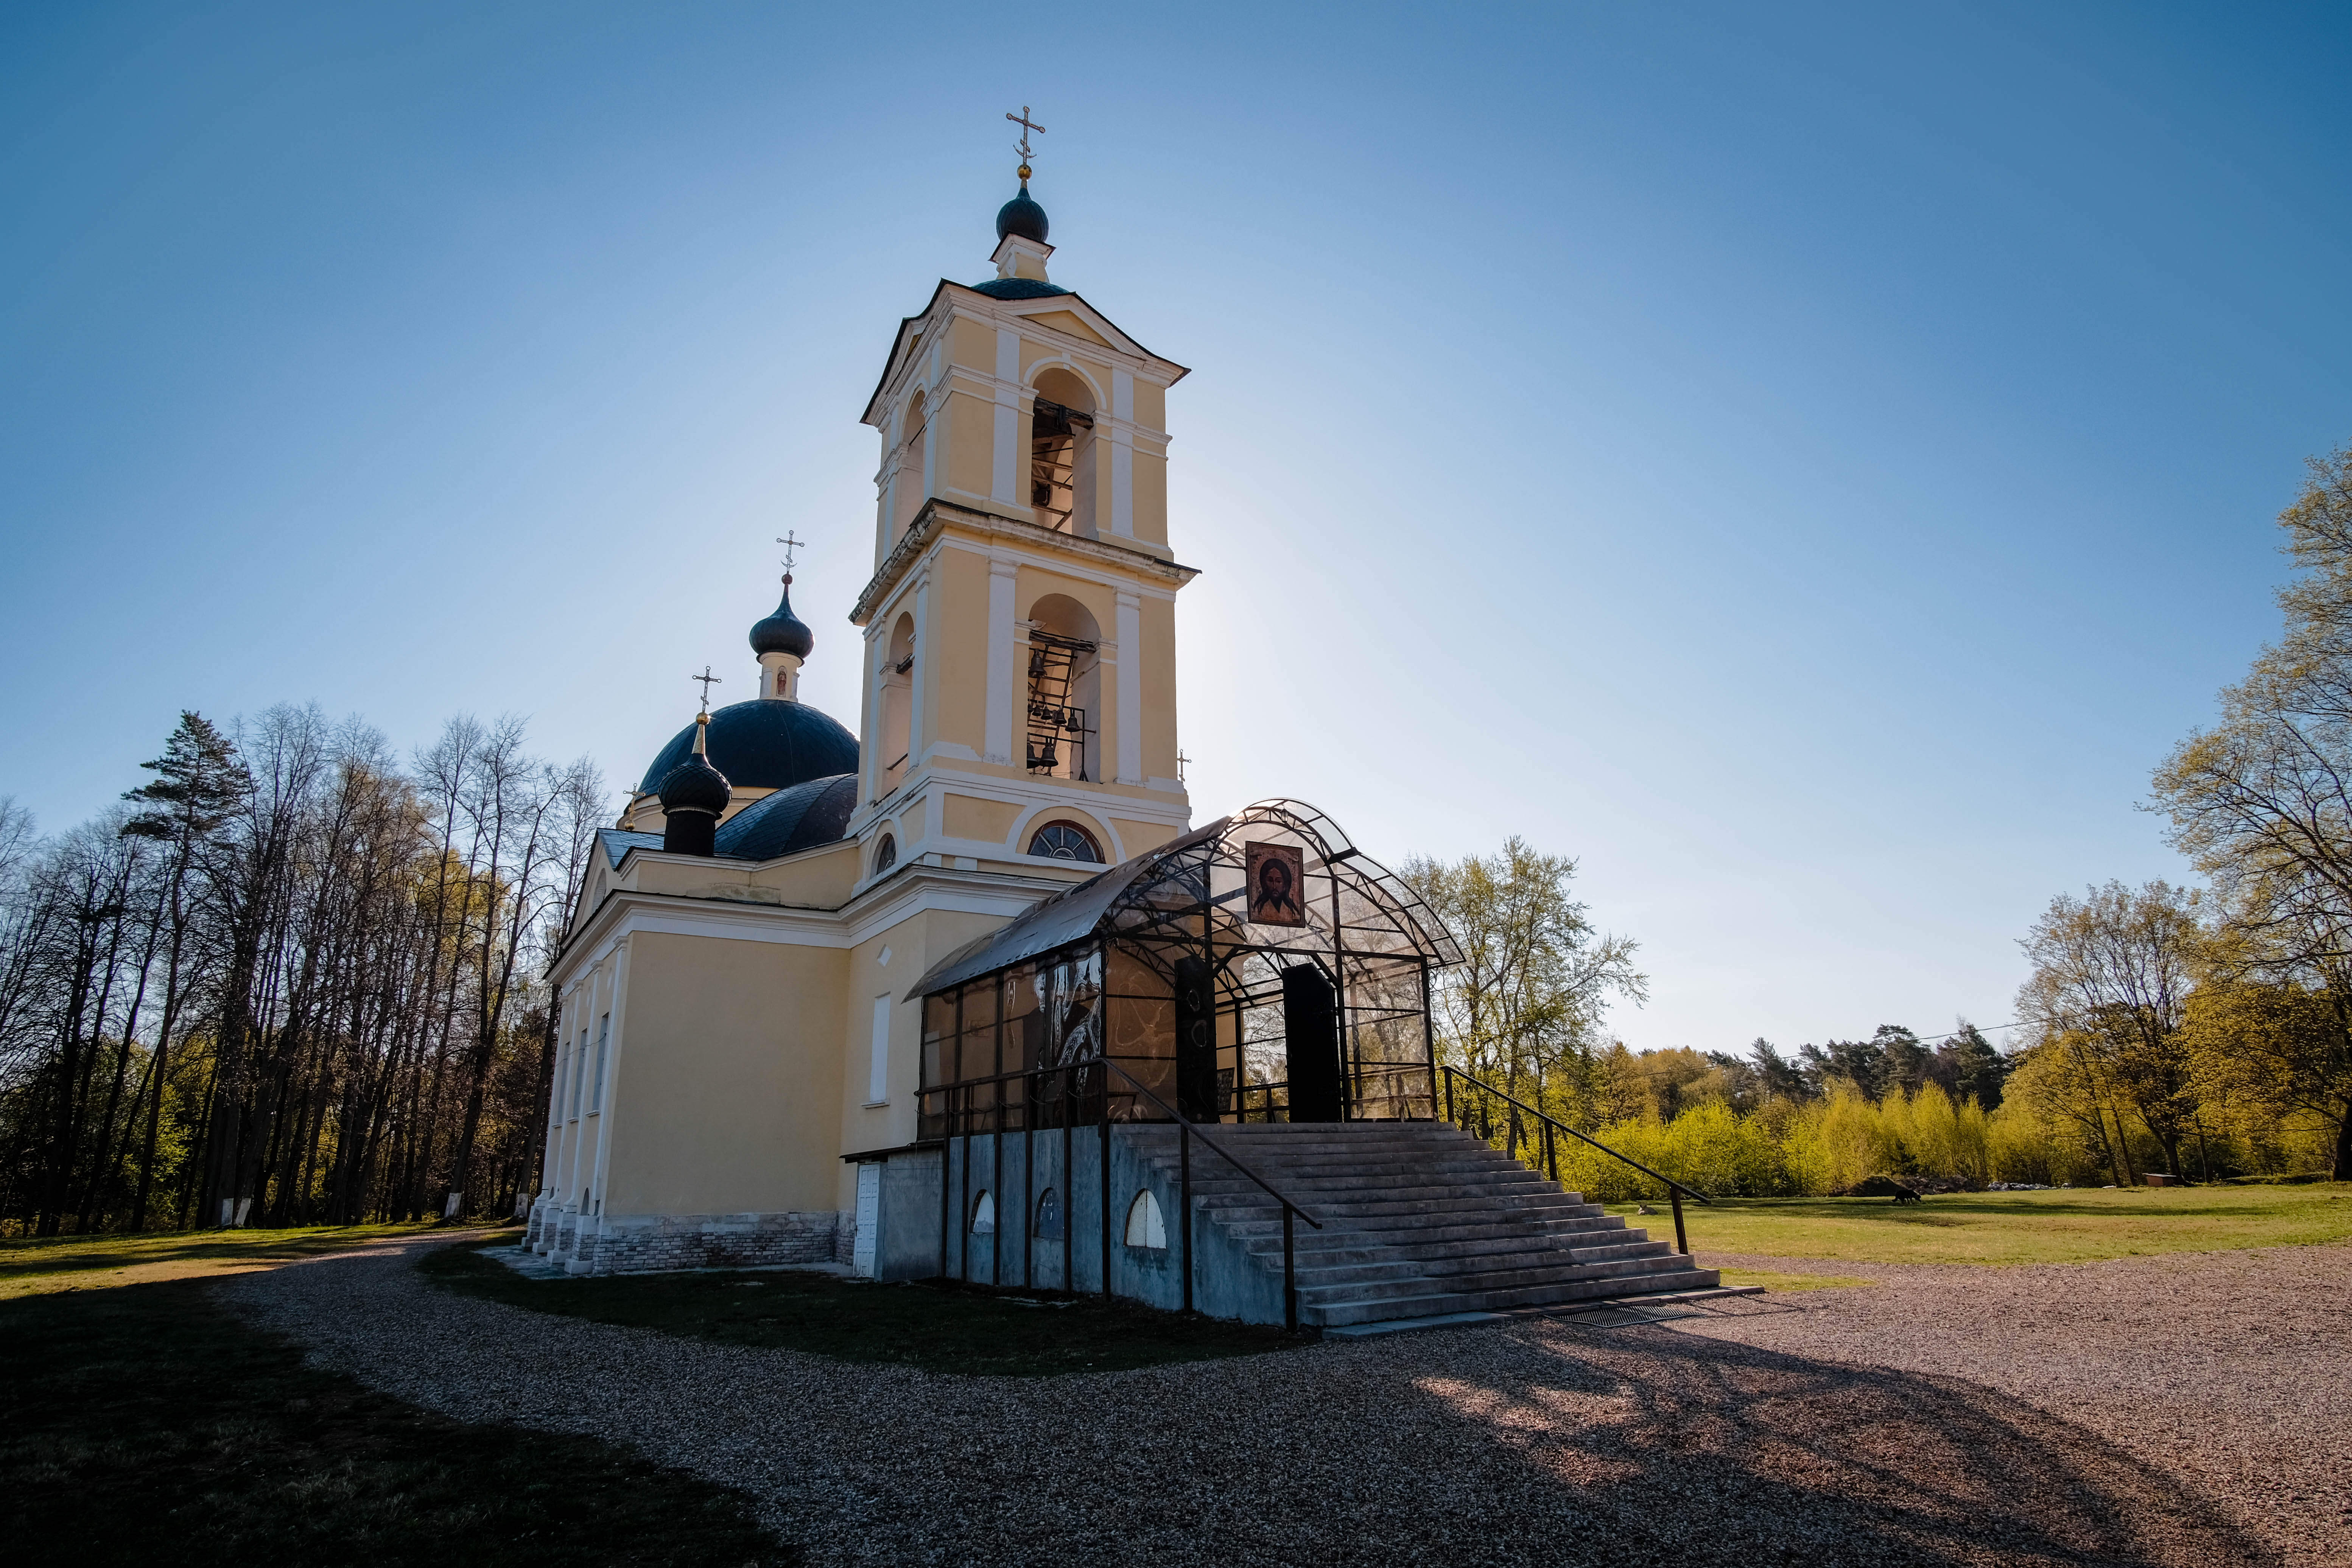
pixel 694 784
pixel 783 632
pixel 1022 216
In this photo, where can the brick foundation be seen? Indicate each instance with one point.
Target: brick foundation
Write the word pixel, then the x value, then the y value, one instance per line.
pixel 641 1244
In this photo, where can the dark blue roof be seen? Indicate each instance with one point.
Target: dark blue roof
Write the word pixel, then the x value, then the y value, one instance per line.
pixel 765 744
pixel 617 843
pixel 789 820
pixel 1017 289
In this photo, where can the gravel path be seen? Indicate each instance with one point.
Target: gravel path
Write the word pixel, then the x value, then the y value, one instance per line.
pixel 1945 1415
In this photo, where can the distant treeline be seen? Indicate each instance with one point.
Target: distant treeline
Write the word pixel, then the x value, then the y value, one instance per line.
pixel 289 980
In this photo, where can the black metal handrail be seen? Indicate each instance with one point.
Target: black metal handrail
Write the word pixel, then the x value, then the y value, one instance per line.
pixel 1674 1189
pixel 1186 1130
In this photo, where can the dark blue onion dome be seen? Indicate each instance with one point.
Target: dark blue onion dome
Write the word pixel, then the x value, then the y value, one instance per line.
pixel 783 632
pixel 694 796
pixel 1022 216
pixel 695 784
pixel 764 744
pixel 790 820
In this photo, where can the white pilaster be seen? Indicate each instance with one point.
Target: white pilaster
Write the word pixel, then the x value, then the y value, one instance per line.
pixel 1131 690
pixel 997 742
pixel 612 1105
pixel 1007 472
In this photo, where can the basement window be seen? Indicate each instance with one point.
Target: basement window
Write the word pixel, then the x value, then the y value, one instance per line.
pixel 1145 1228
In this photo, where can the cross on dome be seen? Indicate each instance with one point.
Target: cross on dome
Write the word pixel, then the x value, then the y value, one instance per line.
pixel 1027 125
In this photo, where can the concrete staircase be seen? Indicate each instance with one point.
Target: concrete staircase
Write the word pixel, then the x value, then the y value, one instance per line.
pixel 1419 1220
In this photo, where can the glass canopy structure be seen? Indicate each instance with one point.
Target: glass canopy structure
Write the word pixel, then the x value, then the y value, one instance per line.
pixel 1261 968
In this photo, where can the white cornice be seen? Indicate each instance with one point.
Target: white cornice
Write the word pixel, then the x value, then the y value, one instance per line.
pixel 931 521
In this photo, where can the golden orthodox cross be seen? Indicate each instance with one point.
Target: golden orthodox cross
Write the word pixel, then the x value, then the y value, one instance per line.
pixel 790 545
pixel 1027 125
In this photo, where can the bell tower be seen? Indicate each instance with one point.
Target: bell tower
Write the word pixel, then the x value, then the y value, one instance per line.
pixel 1020 693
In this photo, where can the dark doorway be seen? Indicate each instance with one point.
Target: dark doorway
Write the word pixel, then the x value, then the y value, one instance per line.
pixel 1311 1028
pixel 1196 1041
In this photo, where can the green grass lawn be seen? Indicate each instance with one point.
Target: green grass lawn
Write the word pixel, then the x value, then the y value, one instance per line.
pixel 2075 1226
pixel 29 1267
pixel 936 1328
pixel 146 1424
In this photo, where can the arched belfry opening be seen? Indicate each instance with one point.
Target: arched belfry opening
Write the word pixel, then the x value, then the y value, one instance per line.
pixel 896 732
pixel 1064 694
pixel 1261 969
pixel 910 488
pixel 1062 453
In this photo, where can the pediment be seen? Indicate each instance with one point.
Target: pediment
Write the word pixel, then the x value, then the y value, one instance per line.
pixel 1068 321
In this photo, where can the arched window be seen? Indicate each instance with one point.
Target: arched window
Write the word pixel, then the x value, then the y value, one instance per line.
pixel 1065 841
pixel 886 854
pixel 983 1215
pixel 1144 1226
pixel 1049 1215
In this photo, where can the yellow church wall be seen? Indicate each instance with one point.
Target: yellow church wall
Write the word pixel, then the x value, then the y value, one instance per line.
pixel 973 344
pixel 1138 836
pixel 1158 617
pixel 971 443
pixel 914 944
pixel 1151 494
pixel 969 817
pixel 957 700
pixel 728 1072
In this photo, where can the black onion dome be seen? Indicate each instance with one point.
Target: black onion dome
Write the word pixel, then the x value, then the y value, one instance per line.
pixel 782 632
pixel 1022 216
pixel 790 820
pixel 764 745
pixel 1018 288
pixel 695 785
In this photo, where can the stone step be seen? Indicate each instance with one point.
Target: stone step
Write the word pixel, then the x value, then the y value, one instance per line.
pixel 1441 1303
pixel 1398 1230
pixel 1494 1272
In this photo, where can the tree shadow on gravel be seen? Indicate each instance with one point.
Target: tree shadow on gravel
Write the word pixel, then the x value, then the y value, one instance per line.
pixel 1685 1449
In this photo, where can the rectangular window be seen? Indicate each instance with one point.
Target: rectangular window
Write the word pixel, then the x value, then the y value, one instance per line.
pixel 578 1070
pixel 603 1033
pixel 878 1087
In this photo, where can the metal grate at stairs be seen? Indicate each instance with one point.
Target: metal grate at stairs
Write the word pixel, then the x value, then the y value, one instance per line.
pixel 1419 1219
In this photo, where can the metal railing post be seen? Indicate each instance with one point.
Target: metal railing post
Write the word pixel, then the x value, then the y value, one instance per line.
pixel 1289 1277
pixel 1681 1245
pixel 1069 1193
pixel 1106 1186
pixel 1185 1202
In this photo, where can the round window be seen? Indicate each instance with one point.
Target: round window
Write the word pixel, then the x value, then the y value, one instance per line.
pixel 886 854
pixel 1065 841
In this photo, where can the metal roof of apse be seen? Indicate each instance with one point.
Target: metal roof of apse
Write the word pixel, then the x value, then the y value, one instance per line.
pixel 1199 876
pixel 1064 919
pixel 789 820
pixel 765 744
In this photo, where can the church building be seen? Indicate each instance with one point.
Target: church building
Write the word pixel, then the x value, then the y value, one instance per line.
pixel 966 994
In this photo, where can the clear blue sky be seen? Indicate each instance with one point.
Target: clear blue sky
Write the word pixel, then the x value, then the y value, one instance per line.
pixel 1807 462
